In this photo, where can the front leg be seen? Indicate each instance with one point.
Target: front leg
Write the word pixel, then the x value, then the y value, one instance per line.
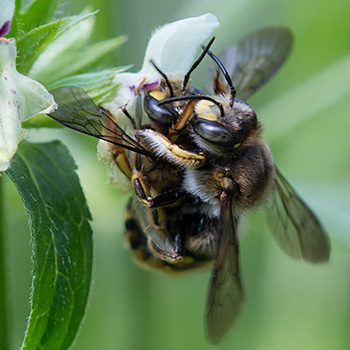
pixel 162 147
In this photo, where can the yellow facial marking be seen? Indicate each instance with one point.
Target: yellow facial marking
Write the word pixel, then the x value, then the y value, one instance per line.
pixel 204 109
pixel 209 116
pixel 158 95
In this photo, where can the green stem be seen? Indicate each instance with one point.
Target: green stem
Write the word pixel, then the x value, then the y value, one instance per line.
pixel 4 338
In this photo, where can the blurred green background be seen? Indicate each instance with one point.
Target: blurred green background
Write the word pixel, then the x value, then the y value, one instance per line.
pixel 305 111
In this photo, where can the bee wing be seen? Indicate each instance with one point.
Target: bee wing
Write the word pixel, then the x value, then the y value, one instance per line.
pixel 256 58
pixel 294 226
pixel 225 292
pixel 77 111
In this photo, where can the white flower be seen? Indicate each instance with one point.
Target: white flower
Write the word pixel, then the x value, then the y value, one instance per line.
pixel 173 48
pixel 20 97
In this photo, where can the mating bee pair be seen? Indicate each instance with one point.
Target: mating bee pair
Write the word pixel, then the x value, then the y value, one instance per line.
pixel 196 164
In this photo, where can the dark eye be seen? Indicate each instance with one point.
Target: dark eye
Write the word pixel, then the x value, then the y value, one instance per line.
pixel 213 132
pixel 159 114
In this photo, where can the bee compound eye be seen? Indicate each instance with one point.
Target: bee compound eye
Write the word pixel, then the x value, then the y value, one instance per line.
pixel 213 132
pixel 159 114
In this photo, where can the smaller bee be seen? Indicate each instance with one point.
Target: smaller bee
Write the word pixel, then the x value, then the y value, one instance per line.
pixel 196 165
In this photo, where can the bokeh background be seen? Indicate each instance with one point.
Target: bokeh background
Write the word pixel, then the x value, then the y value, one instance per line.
pixel 305 111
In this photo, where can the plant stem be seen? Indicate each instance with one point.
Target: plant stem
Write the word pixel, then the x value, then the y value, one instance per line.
pixel 4 339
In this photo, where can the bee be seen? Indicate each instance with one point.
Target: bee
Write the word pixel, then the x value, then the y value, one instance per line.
pixel 197 162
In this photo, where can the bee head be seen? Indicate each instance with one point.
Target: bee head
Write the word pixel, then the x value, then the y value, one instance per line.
pixel 224 124
pixel 223 133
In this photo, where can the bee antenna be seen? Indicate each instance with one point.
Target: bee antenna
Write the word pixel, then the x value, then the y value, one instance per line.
pixel 196 63
pixel 193 97
pixel 167 82
pixel 226 75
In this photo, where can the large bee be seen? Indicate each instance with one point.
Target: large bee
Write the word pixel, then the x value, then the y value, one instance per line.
pixel 196 163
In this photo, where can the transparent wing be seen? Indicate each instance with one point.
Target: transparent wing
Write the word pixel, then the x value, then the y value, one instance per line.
pixel 256 58
pixel 77 111
pixel 225 292
pixel 294 226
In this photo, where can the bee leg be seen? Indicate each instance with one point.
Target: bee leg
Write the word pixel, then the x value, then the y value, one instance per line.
pixel 140 189
pixel 139 244
pixel 173 252
pixel 184 117
pixel 173 153
pixel 151 199
pixel 148 195
pixel 166 243
pixel 121 159
pixel 166 198
pixel 118 152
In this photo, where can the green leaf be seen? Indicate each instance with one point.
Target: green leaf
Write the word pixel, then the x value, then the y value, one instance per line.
pixel 90 56
pixel 35 12
pixel 61 239
pixel 99 85
pixel 70 56
pixel 34 42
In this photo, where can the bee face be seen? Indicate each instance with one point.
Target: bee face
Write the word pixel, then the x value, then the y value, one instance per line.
pixel 162 117
pixel 224 134
pixel 196 166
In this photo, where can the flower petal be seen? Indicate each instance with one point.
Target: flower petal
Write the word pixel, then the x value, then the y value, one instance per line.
pixel 173 48
pixel 6 14
pixel 20 98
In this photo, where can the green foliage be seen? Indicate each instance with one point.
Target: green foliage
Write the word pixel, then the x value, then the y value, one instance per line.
pixel 32 13
pixel 36 40
pixel 55 51
pixel 304 110
pixel 61 238
pixel 99 90
pixel 83 58
pixel 46 44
